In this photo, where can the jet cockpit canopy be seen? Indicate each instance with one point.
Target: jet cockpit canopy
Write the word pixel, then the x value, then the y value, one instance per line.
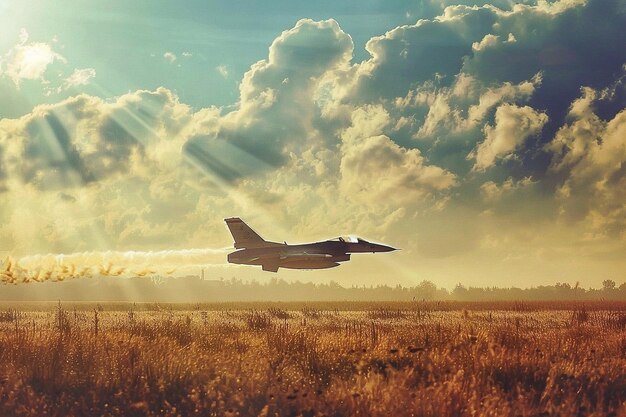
pixel 349 239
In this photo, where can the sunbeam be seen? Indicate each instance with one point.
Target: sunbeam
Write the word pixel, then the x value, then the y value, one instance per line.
pixel 208 165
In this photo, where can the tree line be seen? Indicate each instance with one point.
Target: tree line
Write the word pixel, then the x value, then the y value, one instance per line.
pixel 194 289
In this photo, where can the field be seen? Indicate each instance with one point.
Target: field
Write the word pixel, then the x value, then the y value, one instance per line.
pixel 314 359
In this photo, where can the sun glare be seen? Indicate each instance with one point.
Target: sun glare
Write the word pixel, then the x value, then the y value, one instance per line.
pixel 30 61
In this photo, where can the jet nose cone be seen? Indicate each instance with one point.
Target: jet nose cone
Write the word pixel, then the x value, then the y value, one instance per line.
pixel 384 248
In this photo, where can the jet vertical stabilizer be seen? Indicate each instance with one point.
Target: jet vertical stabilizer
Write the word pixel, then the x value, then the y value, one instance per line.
pixel 244 236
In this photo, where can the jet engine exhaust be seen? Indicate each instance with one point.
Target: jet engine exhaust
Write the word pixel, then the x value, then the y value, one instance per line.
pixel 59 267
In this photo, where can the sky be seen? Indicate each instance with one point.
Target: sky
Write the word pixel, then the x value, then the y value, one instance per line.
pixel 486 139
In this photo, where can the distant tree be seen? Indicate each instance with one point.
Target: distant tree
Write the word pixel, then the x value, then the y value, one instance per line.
pixel 608 285
pixel 459 292
pixel 563 286
pixel 334 285
pixel 563 290
pixel 442 294
pixel 426 290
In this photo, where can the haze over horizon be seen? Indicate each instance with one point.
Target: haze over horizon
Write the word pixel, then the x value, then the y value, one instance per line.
pixel 485 138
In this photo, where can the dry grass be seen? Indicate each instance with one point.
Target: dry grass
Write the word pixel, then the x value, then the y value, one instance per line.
pixel 293 359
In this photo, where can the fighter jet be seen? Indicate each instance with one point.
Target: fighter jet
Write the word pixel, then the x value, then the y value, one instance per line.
pixel 254 250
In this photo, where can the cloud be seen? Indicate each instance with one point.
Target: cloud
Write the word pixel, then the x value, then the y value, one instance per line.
pixel 109 172
pixel 170 56
pixel 443 79
pixel 374 169
pixel 40 62
pixel 29 61
pixel 80 77
pixel 558 39
pixel 407 56
pixel 589 158
pixel 23 36
pixel 512 127
pixel 462 106
pixel 222 70
pixel 276 115
pixel 486 42
pixel 491 191
pixel 495 46
pixel 85 139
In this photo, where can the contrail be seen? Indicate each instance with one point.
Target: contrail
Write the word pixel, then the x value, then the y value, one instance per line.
pixel 59 267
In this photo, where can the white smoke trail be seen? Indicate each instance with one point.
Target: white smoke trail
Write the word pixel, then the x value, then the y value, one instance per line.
pixel 59 267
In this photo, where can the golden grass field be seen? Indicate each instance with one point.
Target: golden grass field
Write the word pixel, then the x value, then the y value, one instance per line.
pixel 314 359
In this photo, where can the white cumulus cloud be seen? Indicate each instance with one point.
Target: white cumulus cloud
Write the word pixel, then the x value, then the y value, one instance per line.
pixel 513 125
pixel 222 70
pixel 29 61
pixel 590 153
pixel 486 42
pixel 376 170
pixel 170 56
pixel 79 77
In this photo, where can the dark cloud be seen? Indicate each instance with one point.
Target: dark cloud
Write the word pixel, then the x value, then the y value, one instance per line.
pixel 67 197
pixel 573 48
pixel 569 44
pixel 406 57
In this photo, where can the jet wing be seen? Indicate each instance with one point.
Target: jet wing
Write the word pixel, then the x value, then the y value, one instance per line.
pixel 305 255
pixel 252 259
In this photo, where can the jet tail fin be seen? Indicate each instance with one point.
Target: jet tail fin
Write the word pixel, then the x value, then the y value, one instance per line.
pixel 244 236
